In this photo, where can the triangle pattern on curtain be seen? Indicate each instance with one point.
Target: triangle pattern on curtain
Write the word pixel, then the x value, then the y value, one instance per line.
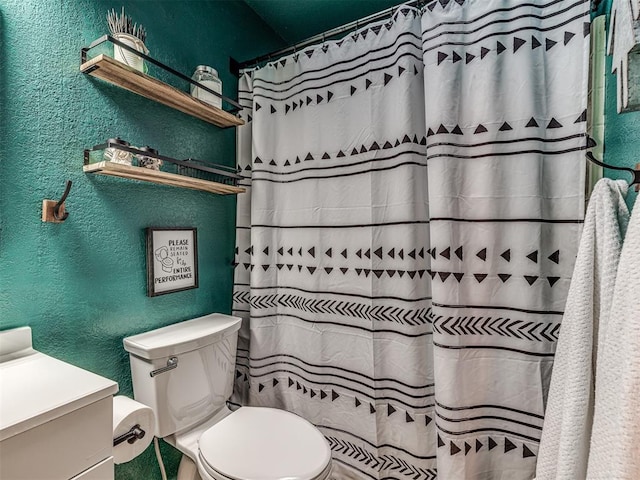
pixel 388 223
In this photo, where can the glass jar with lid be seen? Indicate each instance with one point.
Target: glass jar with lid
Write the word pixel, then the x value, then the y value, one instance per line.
pixel 150 162
pixel 115 155
pixel 208 77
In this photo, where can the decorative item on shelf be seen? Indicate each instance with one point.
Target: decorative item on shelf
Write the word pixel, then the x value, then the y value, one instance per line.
pixel 172 260
pixel 124 30
pixel 193 174
pixel 146 161
pixel 208 77
pixel 116 155
pixel 97 62
pixel 194 169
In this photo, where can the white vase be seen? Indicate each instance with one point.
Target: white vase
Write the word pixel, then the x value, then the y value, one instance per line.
pixel 127 57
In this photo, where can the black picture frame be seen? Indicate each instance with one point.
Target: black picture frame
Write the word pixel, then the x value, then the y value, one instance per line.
pixel 172 260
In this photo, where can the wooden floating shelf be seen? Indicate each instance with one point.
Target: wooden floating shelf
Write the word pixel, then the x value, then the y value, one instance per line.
pixel 117 73
pixel 161 178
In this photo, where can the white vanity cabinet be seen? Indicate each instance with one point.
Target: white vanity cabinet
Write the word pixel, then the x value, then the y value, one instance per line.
pixel 56 420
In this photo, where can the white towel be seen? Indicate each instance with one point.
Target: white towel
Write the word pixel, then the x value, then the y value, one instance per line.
pixel 564 447
pixel 615 438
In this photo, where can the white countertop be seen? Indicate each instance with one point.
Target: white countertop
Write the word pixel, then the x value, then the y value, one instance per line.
pixel 36 388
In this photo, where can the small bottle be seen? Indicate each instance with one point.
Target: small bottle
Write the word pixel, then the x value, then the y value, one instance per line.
pixel 208 77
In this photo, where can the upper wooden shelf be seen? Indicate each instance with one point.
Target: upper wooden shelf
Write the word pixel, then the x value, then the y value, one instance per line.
pixel 162 178
pixel 117 73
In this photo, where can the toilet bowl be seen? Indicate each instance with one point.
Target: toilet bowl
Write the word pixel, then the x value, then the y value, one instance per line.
pixel 256 443
pixel 184 372
pixel 262 443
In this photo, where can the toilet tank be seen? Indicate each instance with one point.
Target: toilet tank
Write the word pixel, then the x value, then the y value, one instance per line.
pixel 184 371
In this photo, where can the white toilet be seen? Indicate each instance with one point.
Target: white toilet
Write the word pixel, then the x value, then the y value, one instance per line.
pixel 184 372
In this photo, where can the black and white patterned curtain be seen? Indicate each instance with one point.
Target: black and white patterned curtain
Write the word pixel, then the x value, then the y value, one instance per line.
pixel 440 150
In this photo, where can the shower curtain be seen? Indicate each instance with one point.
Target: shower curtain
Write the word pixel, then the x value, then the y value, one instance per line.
pixel 404 249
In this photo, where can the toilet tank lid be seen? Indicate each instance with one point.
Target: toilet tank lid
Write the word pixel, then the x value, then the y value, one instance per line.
pixel 182 337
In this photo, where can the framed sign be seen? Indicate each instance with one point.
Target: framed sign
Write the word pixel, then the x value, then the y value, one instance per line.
pixel 172 260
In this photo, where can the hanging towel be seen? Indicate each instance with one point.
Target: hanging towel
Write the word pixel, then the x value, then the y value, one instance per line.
pixel 564 447
pixel 615 439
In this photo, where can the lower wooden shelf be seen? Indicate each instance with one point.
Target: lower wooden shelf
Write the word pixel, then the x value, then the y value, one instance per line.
pixel 161 178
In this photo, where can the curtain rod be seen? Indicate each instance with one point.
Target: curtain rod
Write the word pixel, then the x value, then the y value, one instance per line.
pixel 237 66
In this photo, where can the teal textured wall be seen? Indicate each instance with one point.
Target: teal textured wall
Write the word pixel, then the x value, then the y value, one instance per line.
pixel 622 131
pixel 81 285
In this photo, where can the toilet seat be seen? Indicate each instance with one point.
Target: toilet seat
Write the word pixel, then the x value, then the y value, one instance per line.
pixel 219 476
pixel 259 443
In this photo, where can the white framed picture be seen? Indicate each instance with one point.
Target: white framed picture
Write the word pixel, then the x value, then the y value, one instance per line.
pixel 172 260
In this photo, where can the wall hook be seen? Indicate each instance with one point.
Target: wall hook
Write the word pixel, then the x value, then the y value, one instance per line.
pixel 59 211
pixel 53 211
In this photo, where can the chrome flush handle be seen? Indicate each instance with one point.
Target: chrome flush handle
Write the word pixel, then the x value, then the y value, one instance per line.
pixel 171 364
